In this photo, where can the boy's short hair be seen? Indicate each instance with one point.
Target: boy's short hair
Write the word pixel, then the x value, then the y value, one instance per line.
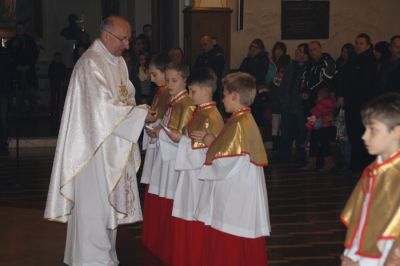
pixel 203 77
pixel 242 83
pixel 181 68
pixel 160 61
pixel 385 109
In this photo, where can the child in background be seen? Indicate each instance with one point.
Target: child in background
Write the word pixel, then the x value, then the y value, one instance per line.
pixel 372 213
pixel 233 201
pixel 188 233
pixel 320 125
pixel 150 228
pixel 164 177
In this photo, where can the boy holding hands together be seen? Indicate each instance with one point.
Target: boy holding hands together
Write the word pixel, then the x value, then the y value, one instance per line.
pixel 233 201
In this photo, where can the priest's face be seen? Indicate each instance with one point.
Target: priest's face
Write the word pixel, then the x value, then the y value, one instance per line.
pixel 175 82
pixel 116 38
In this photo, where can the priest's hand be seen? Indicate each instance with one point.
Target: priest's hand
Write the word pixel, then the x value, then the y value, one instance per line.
pixel 151 116
pixel 346 261
pixel 153 133
pixel 174 135
pixel 202 136
pixel 394 257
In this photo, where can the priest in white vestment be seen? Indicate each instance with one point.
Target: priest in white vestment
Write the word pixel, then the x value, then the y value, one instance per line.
pixel 93 183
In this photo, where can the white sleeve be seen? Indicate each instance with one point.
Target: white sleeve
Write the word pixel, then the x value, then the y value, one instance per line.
pixel 188 158
pixel 132 126
pixel 168 148
pixel 148 142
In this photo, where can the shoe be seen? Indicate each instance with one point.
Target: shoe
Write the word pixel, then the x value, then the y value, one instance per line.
pixel 311 164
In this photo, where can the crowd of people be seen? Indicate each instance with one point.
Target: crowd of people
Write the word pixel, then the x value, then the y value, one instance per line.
pixel 205 200
pixel 313 99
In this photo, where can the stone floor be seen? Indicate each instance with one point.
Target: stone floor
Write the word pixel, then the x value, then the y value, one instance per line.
pixel 304 208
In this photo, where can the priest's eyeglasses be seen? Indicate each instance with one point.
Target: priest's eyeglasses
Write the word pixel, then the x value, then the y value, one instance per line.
pixel 121 39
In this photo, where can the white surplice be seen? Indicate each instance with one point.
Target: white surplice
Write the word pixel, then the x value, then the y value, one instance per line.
pixel 188 162
pixel 93 184
pixel 234 197
pixel 164 177
pixel 150 145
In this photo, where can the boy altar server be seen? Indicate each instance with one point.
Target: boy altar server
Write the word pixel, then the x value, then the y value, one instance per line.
pixel 233 200
pixel 164 177
pixel 150 228
pixel 372 213
pixel 188 233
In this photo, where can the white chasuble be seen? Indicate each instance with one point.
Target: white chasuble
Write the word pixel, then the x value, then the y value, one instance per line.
pixel 100 127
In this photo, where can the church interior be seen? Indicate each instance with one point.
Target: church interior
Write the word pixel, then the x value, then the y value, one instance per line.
pixel 305 203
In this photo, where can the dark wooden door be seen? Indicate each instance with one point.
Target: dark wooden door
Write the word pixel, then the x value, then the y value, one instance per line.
pixel 165 20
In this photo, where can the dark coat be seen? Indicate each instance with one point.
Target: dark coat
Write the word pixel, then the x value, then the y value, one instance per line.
pixel 213 59
pixel 389 79
pixel 24 52
pixel 359 79
pixel 256 66
pixel 290 89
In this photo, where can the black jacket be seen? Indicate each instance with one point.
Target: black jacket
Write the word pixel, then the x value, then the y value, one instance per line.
pixel 213 59
pixel 290 89
pixel 359 81
pixel 256 66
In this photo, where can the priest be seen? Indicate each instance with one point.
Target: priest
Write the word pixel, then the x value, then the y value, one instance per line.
pixel 93 182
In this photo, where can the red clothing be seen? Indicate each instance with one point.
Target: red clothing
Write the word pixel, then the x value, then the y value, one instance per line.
pixel 323 109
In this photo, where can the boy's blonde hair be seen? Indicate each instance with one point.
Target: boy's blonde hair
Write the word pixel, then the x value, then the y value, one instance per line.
pixel 242 83
pixel 182 69
pixel 385 109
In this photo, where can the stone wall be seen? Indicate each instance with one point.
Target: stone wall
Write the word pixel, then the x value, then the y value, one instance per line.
pixel 380 19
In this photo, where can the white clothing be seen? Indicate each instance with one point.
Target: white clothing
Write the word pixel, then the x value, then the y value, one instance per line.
pixel 164 177
pixel 150 145
pixel 93 182
pixel 188 162
pixel 234 197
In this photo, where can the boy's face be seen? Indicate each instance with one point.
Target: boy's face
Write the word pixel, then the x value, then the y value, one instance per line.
pixel 199 94
pixel 379 140
pixel 229 101
pixel 174 81
pixel 157 76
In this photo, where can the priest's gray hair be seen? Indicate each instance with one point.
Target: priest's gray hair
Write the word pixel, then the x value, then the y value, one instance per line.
pixel 106 24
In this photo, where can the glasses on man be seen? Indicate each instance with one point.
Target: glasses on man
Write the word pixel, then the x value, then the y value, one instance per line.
pixel 121 39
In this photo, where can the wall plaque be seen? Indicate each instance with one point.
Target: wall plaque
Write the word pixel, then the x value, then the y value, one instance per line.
pixel 305 20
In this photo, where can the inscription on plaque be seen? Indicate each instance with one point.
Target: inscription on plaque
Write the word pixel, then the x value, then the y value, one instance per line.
pixel 305 20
